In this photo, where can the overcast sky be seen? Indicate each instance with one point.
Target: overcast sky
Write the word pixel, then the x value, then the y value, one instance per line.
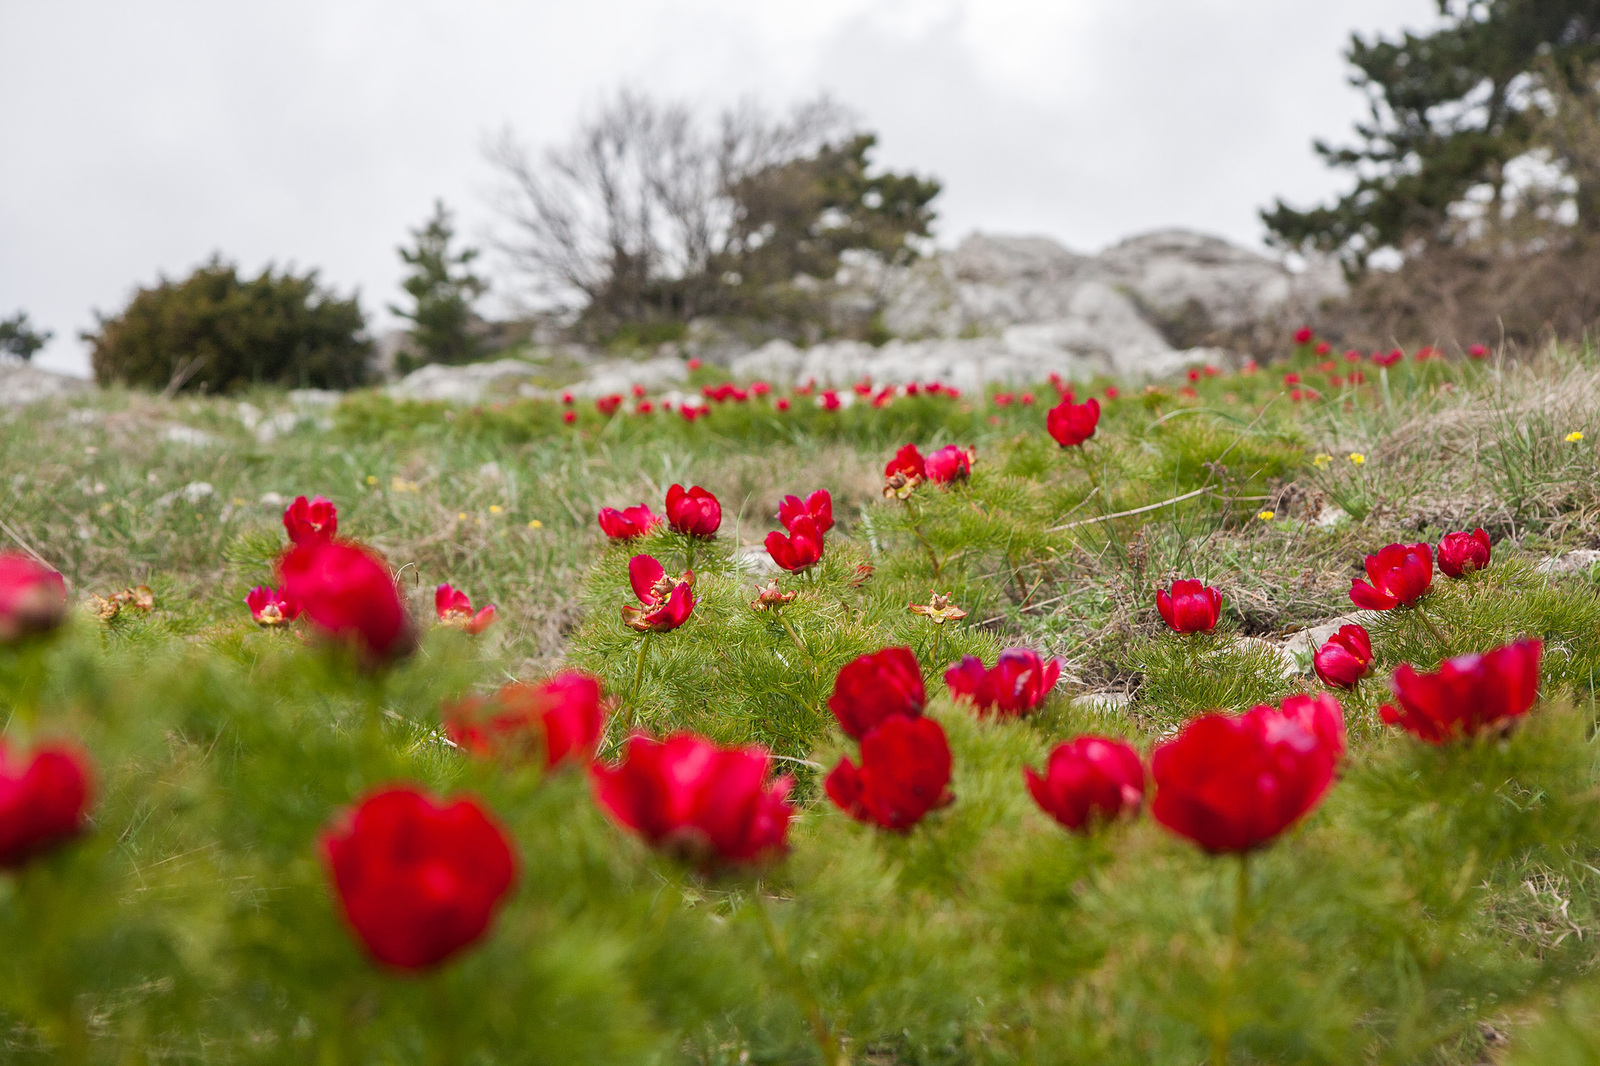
pixel 138 137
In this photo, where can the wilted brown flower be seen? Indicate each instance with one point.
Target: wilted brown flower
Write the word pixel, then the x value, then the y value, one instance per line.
pixel 771 596
pixel 938 609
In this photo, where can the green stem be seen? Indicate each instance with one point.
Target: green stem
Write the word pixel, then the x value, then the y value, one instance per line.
pixel 938 638
pixel 1220 1029
pixel 827 1040
pixel 1437 634
pixel 688 553
pixel 789 629
pixel 916 527
pixel 638 678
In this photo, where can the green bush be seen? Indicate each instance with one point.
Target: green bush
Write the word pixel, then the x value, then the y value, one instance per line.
pixel 217 332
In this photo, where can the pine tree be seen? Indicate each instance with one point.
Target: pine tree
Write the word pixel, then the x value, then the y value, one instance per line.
pixel 19 338
pixel 442 288
pixel 1450 109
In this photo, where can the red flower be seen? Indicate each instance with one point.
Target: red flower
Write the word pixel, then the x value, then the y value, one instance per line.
pixel 565 712
pixel 948 465
pixel 628 523
pixel 1345 659
pixel 638 391
pixel 1232 784
pixel 308 521
pixel 690 412
pixel 863 387
pixel 1088 778
pixel 693 364
pixel 1477 351
pixel 1303 335
pixel 829 400
pixel 1324 348
pixel 695 513
pixel 1352 356
pixel 904 774
pixel 644 408
pixel 348 593
pixel 1466 695
pixel 607 405
pixel 1291 378
pixel 1073 423
pixel 1399 575
pixel 569 417
pixel 1018 682
pixel 1026 399
pixel 1188 393
pixel 1462 553
pixel 697 800
pixel 782 404
pixel 33 597
pixel 418 880
pixel 908 464
pixel 1190 607
pixel 1003 399
pixel 455 609
pixel 1388 360
pixel 1111 392
pixel 667 601
pixel 819 505
pixel 1319 715
pixel 875 687
pixel 802 548
pixel 566 398
pixel 269 608
pixel 43 800
pixel 759 388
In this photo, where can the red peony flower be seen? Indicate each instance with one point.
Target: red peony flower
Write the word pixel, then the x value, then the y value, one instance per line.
pixel 1026 399
pixel 782 404
pixel 1073 423
pixel 948 465
pixel 309 521
pixel 348 593
pixel 1304 335
pixel 455 610
pixel 418 880
pixel 44 800
pixel 1462 553
pixel 908 463
pixel 628 523
pixel 1467 695
pixel 802 548
pixel 759 388
pixel 569 417
pixel 873 687
pixel 1399 574
pixel 1088 779
pixel 667 601
pixel 693 364
pixel 819 505
pixel 1016 684
pixel 1389 359
pixel 829 400
pixel 1323 348
pixel 564 713
pixel 33 597
pixel 607 405
pixel 1190 607
pixel 1231 784
pixel 1345 659
pixel 904 774
pixel 566 398
pixel 268 608
pixel 863 387
pixel 695 513
pixel 1319 715
pixel 1478 351
pixel 702 802
pixel 1352 356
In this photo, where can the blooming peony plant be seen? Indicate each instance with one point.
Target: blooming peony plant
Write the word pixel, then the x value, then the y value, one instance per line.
pixel 1088 780
pixel 904 774
pixel 33 597
pixel 1468 695
pixel 44 800
pixel 1018 682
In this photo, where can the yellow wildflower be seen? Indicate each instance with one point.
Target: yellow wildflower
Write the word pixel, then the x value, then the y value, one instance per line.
pixel 1266 516
pixel 1321 461
pixel 536 524
pixel 1357 458
pixel 1574 437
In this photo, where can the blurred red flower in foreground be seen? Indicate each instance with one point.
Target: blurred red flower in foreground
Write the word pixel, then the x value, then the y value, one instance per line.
pixel 694 513
pixel 1346 657
pixel 628 523
pixel 418 880
pixel 1319 715
pixel 667 601
pixel 1231 784
pixel 1467 695
pixel 33 597
pixel 564 713
pixel 268 608
pixel 1396 577
pixel 454 608
pixel 1088 778
pixel 904 774
pixel 802 548
pixel 1016 684
pixel 1191 607
pixel 819 505
pixel 1462 553
pixel 44 800
pixel 348 593
pixel 873 687
pixel 701 802
pixel 1071 423
pixel 308 521
pixel 949 464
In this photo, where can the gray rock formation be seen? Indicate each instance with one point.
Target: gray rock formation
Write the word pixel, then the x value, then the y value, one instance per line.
pixel 22 384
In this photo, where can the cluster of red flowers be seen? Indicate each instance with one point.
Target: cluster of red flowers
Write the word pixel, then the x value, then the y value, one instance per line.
pixel 905 764
pixel 1400 574
pixel 806 521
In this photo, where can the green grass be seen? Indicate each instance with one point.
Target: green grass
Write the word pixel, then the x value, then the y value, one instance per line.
pixel 1438 895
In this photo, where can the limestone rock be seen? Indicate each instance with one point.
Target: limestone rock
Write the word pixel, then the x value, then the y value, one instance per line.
pixel 22 384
